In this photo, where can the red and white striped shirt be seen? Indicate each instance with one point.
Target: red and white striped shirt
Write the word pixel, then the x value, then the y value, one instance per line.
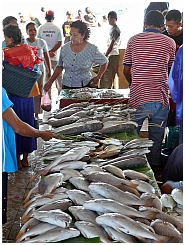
pixel 150 54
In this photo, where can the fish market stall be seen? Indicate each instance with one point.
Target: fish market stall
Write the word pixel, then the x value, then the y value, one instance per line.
pixel 95 184
pixel 110 96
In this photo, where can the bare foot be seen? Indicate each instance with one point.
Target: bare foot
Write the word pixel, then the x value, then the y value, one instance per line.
pixel 19 164
pixel 24 163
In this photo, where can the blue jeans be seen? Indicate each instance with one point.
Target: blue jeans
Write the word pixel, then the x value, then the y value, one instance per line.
pixel 157 121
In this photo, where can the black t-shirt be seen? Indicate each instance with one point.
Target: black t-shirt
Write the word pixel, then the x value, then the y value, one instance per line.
pixel 66 31
pixel 178 39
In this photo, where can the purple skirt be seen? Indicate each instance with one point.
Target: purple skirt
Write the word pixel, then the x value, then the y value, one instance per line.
pixel 24 108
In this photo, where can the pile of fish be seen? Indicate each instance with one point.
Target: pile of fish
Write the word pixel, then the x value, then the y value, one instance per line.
pixel 84 117
pixel 106 199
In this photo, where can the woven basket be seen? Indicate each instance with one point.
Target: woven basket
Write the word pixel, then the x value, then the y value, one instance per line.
pixel 18 81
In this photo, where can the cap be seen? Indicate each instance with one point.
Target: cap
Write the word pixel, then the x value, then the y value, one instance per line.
pixel 112 14
pixel 69 13
pixel 50 13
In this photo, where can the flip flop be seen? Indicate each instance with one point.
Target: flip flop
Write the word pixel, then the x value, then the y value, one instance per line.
pixel 26 166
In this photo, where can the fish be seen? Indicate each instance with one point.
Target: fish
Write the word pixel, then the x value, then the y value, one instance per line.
pixel 81 105
pixel 108 178
pixel 86 142
pixel 119 236
pixel 129 189
pixel 90 230
pixel 68 173
pixel 114 170
pixel 41 201
pixel 168 201
pixel 111 141
pixel 78 197
pixel 177 195
pixel 34 190
pixel 37 230
pixel 28 225
pixel 116 194
pixel 119 128
pixel 80 213
pixel 131 162
pixel 167 229
pixel 112 206
pixel 143 186
pixel 95 195
pixel 74 154
pixel 78 128
pixel 49 183
pixel 66 113
pixel 54 122
pixel 132 174
pixel 139 143
pixel 71 165
pixel 80 183
pixel 55 235
pixel 164 216
pixel 55 217
pixel 62 204
pixel 109 151
pixel 127 225
pixel 155 200
pixel 91 168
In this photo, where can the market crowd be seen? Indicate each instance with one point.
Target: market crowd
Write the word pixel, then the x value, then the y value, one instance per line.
pixel 152 66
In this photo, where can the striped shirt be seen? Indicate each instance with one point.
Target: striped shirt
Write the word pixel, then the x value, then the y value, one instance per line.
pixel 150 54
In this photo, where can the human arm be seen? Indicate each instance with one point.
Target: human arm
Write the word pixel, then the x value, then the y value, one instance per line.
pixel 127 73
pixel 48 63
pixel 94 81
pixel 55 48
pixel 23 128
pixel 110 48
pixel 56 73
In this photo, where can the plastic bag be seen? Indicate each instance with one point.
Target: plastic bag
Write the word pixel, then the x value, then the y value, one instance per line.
pixel 46 102
pixel 24 56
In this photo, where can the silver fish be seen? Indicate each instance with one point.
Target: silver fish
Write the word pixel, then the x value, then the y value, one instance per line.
pixel 66 113
pixel 55 235
pixel 143 186
pixel 90 230
pixel 37 230
pixel 69 173
pixel 166 229
pixel 80 183
pixel 132 174
pixel 55 217
pixel 177 195
pixel 168 201
pixel 116 194
pixel 115 171
pixel 119 236
pixel 34 190
pixel 112 206
pixel 108 178
pixel 78 197
pixel 80 213
pixel 74 154
pixel 62 121
pixel 69 165
pixel 129 226
pixel 62 204
pixel 119 128
pixel 49 183
pixel 156 203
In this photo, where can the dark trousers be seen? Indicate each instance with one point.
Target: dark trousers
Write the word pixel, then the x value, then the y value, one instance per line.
pixel 4 196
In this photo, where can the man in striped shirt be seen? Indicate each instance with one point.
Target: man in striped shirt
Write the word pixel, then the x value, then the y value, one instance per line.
pixel 149 55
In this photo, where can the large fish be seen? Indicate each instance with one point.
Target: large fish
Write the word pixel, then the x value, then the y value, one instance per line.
pixel 80 183
pixel 143 186
pixel 71 165
pixel 37 230
pixel 49 183
pixel 62 121
pixel 74 154
pixel 156 203
pixel 118 236
pixel 41 201
pixel 62 204
pixel 69 173
pixel 80 213
pixel 108 178
pixel 115 171
pixel 119 127
pixel 132 174
pixel 166 229
pixel 129 226
pixel 78 128
pixel 116 194
pixel 55 235
pixel 90 230
pixel 78 197
pixel 112 206
pixel 55 217
pixel 66 113
pixel 165 217
pixel 132 162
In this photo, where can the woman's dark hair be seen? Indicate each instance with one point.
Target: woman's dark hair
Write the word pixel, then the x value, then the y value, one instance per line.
pixel 154 18
pixel 30 23
pixel 83 29
pixel 13 31
pixel 7 20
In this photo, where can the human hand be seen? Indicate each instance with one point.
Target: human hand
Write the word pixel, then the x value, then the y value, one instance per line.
pixel 47 135
pixel 47 86
pixel 94 82
pixel 52 54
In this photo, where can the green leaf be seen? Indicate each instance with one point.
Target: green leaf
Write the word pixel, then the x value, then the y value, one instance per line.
pixel 82 239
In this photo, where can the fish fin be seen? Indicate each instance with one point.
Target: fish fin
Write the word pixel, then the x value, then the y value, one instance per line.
pixel 24 219
pixel 34 177
pixel 131 185
pixel 20 233
pixel 50 195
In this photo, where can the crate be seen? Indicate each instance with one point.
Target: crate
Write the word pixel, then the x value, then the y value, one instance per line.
pixel 18 81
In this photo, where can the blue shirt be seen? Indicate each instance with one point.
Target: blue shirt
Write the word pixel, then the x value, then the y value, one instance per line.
pixel 9 160
pixel 78 65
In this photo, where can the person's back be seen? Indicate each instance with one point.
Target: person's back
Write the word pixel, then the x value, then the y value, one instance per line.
pixel 174 27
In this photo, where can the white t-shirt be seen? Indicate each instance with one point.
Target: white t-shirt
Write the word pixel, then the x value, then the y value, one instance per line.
pixel 41 48
pixel 52 35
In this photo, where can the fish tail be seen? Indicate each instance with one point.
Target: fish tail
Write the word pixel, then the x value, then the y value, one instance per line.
pixel 24 219
pixel 20 233
pixel 34 177
pixel 164 239
pixel 134 186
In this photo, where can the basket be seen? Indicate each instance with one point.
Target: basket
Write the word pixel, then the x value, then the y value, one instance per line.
pixel 18 81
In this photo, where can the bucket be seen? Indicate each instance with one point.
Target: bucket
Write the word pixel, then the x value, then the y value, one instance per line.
pixel 165 153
